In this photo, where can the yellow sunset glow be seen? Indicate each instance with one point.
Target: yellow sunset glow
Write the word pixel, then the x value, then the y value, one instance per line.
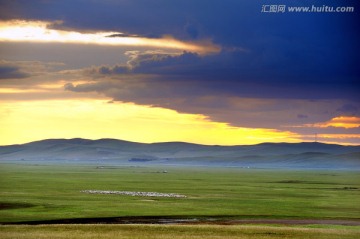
pixel 39 31
pixel 25 121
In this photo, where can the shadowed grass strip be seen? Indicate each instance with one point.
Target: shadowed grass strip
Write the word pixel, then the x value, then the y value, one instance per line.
pixel 173 232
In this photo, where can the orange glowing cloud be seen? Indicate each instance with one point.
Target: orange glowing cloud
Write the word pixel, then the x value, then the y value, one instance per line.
pixel 346 122
pixel 40 31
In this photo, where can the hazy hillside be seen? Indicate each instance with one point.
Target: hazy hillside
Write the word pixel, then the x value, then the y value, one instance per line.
pixel 118 152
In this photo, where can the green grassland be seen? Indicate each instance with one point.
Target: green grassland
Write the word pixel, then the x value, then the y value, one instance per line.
pixel 49 192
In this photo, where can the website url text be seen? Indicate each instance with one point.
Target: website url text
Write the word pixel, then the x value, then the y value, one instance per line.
pixel 313 8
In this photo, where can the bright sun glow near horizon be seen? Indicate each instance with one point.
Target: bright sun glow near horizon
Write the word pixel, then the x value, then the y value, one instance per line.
pixel 93 119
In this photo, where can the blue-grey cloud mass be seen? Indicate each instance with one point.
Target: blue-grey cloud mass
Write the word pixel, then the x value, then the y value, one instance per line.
pixel 289 54
pixel 11 72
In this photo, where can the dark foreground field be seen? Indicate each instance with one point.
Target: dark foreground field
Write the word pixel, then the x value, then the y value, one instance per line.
pixel 176 232
pixel 33 194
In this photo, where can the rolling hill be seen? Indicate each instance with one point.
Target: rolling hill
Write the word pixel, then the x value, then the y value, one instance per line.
pixel 119 152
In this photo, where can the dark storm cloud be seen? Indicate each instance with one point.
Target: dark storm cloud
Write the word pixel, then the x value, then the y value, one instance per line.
pixel 192 83
pixel 289 55
pixel 230 73
pixel 146 18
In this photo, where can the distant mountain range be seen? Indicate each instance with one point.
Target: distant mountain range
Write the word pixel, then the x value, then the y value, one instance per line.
pixel 118 152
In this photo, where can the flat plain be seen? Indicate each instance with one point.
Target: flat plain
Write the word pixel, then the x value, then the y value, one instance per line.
pixel 42 193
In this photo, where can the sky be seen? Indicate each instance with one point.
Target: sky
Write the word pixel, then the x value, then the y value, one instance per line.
pixel 211 72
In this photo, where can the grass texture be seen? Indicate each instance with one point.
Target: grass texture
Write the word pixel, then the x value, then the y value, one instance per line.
pixel 49 192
